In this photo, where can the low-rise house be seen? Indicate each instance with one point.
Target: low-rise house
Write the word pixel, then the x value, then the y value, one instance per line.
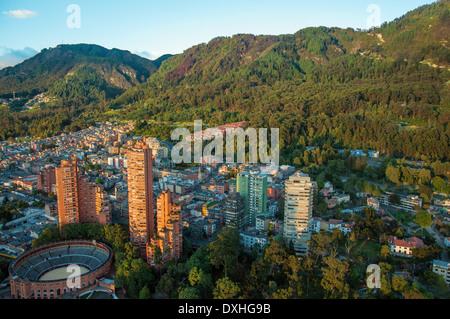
pixel 331 203
pixel 447 241
pixel 374 203
pixel 344 227
pixel 251 238
pixel 442 202
pixel 408 203
pixel 342 198
pixel 404 247
pixel 315 224
pixel 262 223
pixel 442 268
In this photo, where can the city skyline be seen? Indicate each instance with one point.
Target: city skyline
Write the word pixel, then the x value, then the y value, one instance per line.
pixel 99 198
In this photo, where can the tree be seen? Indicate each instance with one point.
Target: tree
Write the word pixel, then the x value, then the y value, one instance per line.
pixel 434 281
pixel 393 174
pixel 189 293
pixel 423 219
pixel 385 284
pixel 255 286
pixel 116 236
pixel 226 289
pixel 167 285
pixel 199 259
pixel 321 244
pixel 144 293
pixel 385 251
pixel 48 235
pixel 201 281
pixel 309 266
pixel 350 243
pixel 408 291
pixel 133 274
pixel 399 284
pixel 292 268
pixel 440 185
pixel 223 251
pixel 427 253
pixel 275 254
pixel 334 280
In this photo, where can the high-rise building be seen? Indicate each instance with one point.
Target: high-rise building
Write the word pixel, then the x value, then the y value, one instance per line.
pixel 102 206
pixel 140 196
pixel 46 179
pixel 298 212
pixel 253 187
pixel 167 243
pixel 67 192
pixel 79 199
pixel 234 209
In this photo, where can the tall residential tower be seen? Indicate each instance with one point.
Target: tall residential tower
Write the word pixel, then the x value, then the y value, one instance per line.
pixel 298 212
pixel 140 196
pixel 167 243
pixel 253 187
pixel 79 199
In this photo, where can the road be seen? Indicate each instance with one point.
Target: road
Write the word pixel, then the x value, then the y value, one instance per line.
pixel 169 145
pixel 437 236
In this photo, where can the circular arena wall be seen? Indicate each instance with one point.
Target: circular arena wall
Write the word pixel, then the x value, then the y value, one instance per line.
pixel 51 271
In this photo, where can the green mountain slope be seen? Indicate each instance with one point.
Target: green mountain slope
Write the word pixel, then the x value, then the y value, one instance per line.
pixel 384 89
pixel 120 69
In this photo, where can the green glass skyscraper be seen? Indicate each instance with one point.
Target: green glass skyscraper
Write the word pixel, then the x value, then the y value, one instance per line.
pixel 253 187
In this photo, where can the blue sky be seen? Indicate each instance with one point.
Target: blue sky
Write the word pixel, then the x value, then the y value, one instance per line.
pixel 152 28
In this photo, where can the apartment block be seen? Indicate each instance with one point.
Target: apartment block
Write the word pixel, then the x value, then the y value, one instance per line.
pixel 46 179
pixel 408 203
pixel 79 199
pixel 298 212
pixel 67 192
pixel 253 187
pixel 442 268
pixel 234 209
pixel 140 195
pixel 167 243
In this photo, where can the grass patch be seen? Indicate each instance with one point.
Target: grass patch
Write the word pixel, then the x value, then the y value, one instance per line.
pixel 403 217
pixel 366 250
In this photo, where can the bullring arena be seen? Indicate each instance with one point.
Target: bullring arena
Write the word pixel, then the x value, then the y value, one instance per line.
pixel 43 273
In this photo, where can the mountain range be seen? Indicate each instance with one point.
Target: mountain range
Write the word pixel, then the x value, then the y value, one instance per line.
pixel 118 68
pixel 386 88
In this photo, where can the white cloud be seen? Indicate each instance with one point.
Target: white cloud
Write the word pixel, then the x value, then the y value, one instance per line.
pixel 20 14
pixel 148 55
pixel 11 57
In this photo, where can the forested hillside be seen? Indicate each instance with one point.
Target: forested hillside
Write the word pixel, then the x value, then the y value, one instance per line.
pixel 120 69
pixel 385 89
pixel 81 78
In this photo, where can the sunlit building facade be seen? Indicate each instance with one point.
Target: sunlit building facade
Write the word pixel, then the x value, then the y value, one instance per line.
pixel 79 199
pixel 167 242
pixel 298 212
pixel 140 196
